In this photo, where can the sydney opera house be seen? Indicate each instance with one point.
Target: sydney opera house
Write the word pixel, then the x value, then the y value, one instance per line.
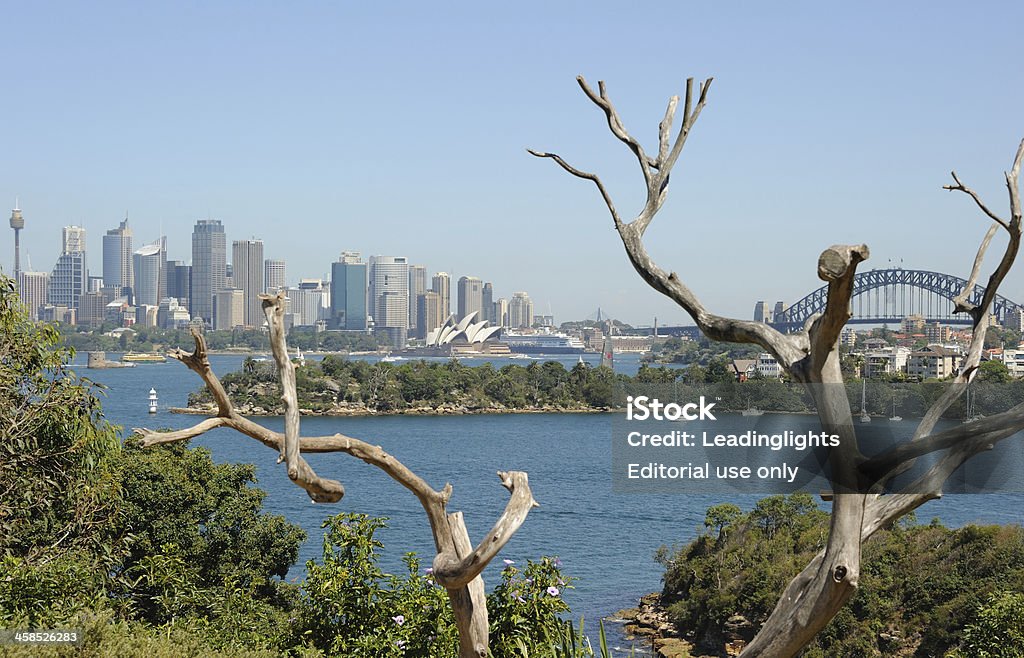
pixel 463 337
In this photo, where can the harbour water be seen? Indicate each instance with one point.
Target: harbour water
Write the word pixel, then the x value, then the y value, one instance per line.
pixel 605 539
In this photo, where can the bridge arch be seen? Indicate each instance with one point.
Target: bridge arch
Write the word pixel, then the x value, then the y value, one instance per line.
pixel 886 290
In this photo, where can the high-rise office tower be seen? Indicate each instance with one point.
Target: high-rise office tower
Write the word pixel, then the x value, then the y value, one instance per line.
pixel 32 287
pixel 428 313
pixel 273 275
pixel 228 309
pixel 417 286
pixel 442 285
pixel 471 295
pixel 146 263
pixel 520 311
pixel 209 266
pixel 70 277
pixel 179 282
pixel 17 223
pixel 309 302
pixel 487 303
pixel 389 297
pixel 118 272
pixel 247 269
pixel 349 281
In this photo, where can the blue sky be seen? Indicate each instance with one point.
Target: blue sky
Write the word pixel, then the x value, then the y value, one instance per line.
pixel 400 128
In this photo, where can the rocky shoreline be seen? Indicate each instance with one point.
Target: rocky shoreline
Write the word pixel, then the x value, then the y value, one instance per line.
pixel 649 622
pixel 349 409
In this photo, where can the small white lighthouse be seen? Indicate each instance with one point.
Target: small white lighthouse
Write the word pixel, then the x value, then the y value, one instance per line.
pixel 152 400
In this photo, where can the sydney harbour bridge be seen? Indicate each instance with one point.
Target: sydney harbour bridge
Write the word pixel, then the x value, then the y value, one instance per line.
pixel 887 296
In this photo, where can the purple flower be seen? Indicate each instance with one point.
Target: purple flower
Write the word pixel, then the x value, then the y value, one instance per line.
pixel 428 570
pixel 553 591
pixel 517 597
pixel 400 619
pixel 508 563
pixel 400 644
pixel 558 562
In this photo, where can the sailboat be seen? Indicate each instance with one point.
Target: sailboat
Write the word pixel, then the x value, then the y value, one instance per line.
pixel 894 417
pixel 864 417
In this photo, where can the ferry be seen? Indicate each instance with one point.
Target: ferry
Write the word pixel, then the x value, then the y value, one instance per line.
pixel 553 343
pixel 143 357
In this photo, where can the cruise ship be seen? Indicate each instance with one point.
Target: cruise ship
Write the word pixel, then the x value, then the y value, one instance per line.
pixel 553 343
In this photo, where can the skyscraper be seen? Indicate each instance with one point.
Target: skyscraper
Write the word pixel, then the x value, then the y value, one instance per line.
pixel 520 311
pixel 228 309
pixel 32 287
pixel 118 272
pixel 501 312
pixel 179 282
pixel 428 313
pixel 389 296
pixel 17 223
pixel 69 277
pixel 147 262
pixel 247 267
pixel 209 266
pixel 471 295
pixel 417 286
pixel 349 281
pixel 273 275
pixel 442 285
pixel 487 303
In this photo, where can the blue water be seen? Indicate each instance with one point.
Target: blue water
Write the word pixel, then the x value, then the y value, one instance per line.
pixel 607 540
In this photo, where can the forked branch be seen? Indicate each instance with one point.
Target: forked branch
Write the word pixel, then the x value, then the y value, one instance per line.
pixel 457 563
pixel 812 356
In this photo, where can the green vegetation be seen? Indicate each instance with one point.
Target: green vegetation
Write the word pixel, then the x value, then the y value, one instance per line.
pixel 336 383
pixel 162 552
pixel 925 590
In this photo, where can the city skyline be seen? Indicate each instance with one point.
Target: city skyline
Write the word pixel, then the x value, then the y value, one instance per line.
pixel 824 125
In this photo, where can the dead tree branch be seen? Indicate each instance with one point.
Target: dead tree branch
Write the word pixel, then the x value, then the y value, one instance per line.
pixel 457 564
pixel 811 356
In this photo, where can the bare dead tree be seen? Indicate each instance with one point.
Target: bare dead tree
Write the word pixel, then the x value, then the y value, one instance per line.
pixel 811 356
pixel 457 564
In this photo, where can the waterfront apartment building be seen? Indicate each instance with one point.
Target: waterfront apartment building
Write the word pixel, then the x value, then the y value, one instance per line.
pixel 209 267
pixel 442 285
pixel 389 297
pixel 247 272
pixel 520 311
pixel 500 312
pixel 118 268
pixel 471 296
pixel 349 281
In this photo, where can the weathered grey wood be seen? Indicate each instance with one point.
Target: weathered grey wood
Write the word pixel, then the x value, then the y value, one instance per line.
pixel 811 356
pixel 457 564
